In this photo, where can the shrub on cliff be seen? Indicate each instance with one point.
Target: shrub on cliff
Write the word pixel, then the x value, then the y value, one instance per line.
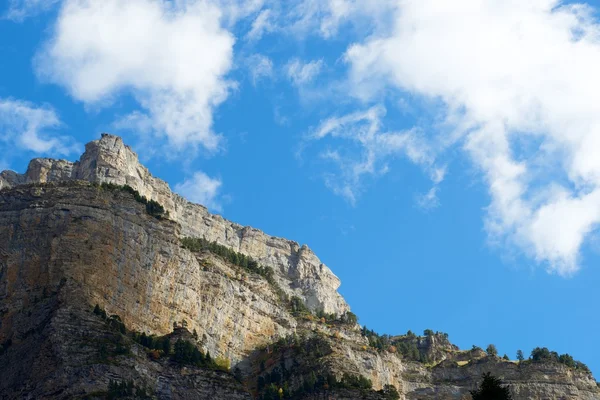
pixel 542 354
pixel 152 206
pixel 390 392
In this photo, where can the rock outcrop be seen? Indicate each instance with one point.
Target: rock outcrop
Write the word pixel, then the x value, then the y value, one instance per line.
pixel 298 270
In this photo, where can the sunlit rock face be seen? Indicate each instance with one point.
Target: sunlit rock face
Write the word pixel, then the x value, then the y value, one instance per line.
pixel 297 269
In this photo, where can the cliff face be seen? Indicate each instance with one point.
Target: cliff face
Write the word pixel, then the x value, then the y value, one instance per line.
pixel 68 245
pixel 298 270
pixel 113 254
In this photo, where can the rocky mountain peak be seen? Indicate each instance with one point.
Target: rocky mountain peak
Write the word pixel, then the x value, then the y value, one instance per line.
pixel 109 160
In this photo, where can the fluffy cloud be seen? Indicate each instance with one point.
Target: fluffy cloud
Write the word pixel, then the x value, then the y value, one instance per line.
pixel 362 148
pixel 171 56
pixel 518 84
pixel 201 189
pixel 26 126
pixel 19 10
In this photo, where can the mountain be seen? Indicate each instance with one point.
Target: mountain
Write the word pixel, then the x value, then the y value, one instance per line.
pixel 112 286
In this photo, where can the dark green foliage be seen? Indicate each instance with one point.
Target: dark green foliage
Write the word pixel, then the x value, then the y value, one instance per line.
pixel 349 318
pixel 355 382
pixel 491 389
pixel 567 359
pixel 186 353
pixel 491 350
pixel 114 321
pixel 269 386
pixel 390 392
pixel 155 209
pixel 118 390
pixel 379 342
pixel 428 332
pixel 542 354
pixel 505 357
pixel 520 355
pixel 409 351
pixel 100 312
pixel 235 258
pixel 152 207
pixel 271 392
pixel 297 306
pixel 102 352
pixel 152 342
pixel 407 348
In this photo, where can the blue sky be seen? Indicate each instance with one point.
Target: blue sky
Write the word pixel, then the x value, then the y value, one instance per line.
pixel 439 158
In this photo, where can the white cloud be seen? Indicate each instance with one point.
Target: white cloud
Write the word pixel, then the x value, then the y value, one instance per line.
pixel 202 189
pixel 365 149
pixel 260 67
pixel 429 200
pixel 262 24
pixel 325 17
pixel 173 58
pixel 19 10
pixel 519 84
pixel 26 126
pixel 302 73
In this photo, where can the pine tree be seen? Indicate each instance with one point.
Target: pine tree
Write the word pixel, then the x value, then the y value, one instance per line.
pixel 491 389
pixel 491 350
pixel 520 355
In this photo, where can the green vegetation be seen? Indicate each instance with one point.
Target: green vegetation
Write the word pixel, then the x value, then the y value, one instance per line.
pixel 294 303
pixel 491 389
pixel 153 208
pixel 410 351
pixel 152 342
pixel 241 260
pixel 390 392
pixel 120 390
pixel 276 387
pixel 184 352
pixel 542 354
pixel 306 375
pixel 405 346
pixel 491 350
pixel 520 355
pixel 376 341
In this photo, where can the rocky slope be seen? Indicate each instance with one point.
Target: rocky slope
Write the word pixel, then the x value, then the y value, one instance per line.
pixel 69 243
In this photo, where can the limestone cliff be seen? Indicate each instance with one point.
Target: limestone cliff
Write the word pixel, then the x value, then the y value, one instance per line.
pixel 69 243
pixel 298 269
